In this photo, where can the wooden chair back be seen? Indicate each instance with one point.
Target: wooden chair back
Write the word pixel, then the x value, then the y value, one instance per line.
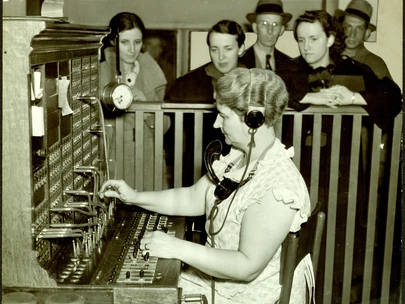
pixel 296 246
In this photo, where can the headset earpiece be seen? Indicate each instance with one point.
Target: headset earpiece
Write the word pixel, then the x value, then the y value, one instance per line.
pixel 254 118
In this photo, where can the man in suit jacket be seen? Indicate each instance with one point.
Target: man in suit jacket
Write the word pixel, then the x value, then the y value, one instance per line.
pixel 268 22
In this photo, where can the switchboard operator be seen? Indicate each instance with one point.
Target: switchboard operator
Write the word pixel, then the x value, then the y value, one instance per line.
pixel 252 198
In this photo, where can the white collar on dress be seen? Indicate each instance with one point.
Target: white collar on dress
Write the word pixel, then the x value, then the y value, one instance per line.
pixel 130 78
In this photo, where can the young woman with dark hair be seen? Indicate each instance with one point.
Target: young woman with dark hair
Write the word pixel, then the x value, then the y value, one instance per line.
pixel 145 78
pixel 139 70
pixel 321 76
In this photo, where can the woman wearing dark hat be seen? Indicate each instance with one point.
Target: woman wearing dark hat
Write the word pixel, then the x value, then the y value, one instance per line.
pixel 268 22
pixel 356 23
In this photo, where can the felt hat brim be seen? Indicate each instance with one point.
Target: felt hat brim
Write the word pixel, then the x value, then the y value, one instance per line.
pixel 252 16
pixel 339 13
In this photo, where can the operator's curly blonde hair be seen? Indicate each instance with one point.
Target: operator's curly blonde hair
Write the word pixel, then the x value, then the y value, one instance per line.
pixel 242 88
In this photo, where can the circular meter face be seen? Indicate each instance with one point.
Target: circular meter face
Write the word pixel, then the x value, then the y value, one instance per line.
pixel 122 96
pixel 118 96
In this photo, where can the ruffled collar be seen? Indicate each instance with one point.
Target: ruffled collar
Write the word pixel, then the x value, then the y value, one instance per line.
pixel 130 78
pixel 320 77
pixel 220 166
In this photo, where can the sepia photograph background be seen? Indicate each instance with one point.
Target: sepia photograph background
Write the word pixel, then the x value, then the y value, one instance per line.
pixel 183 24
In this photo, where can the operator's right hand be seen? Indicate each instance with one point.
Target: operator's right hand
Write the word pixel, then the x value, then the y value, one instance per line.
pixel 118 189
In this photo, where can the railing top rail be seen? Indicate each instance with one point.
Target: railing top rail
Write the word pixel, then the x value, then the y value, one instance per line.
pixel 171 107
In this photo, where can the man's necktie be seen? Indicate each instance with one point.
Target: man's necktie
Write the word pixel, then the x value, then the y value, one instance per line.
pixel 268 66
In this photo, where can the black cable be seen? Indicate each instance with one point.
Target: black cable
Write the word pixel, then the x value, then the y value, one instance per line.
pixel 117 58
pixel 215 207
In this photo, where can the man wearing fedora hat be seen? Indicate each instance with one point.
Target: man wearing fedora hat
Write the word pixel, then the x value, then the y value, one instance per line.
pixel 355 20
pixel 268 22
pixel 356 23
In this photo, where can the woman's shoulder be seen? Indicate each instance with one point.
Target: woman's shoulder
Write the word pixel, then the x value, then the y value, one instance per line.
pixel 277 153
pixel 195 86
pixel 349 65
pixel 293 65
pixel 278 170
pixel 196 73
pixel 147 63
pixel 150 70
pixel 146 59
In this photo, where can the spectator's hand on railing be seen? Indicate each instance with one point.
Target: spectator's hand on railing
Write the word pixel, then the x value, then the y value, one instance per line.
pixel 344 95
pixel 325 97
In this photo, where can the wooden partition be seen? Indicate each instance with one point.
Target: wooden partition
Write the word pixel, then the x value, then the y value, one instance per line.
pixel 349 164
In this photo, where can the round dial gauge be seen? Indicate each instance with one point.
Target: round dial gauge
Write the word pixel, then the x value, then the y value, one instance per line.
pixel 117 96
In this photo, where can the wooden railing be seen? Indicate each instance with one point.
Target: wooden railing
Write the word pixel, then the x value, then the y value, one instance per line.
pixel 349 164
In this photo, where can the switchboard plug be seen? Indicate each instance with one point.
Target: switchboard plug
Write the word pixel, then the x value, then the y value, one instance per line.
pixel 75 205
pixel 41 152
pixel 69 208
pixel 75 253
pixel 86 169
pixel 85 193
pixel 92 203
pixel 164 228
pixel 90 170
pixel 95 129
pixel 98 128
pixel 92 100
pixel 196 298
pixel 51 233
pixel 78 192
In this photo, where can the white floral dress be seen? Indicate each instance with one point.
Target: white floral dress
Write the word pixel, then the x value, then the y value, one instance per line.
pixel 278 174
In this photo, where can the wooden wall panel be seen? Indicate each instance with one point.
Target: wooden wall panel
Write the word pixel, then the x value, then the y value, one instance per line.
pixel 17 251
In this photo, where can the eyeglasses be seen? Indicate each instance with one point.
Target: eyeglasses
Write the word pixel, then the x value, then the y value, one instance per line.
pixel 265 24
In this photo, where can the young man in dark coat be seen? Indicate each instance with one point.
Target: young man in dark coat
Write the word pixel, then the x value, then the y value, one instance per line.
pixel 268 22
pixel 226 42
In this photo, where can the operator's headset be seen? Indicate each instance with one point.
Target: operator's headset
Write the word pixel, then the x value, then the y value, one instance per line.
pixel 254 119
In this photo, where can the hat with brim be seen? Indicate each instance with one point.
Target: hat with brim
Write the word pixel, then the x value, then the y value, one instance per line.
pixel 360 9
pixel 274 7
